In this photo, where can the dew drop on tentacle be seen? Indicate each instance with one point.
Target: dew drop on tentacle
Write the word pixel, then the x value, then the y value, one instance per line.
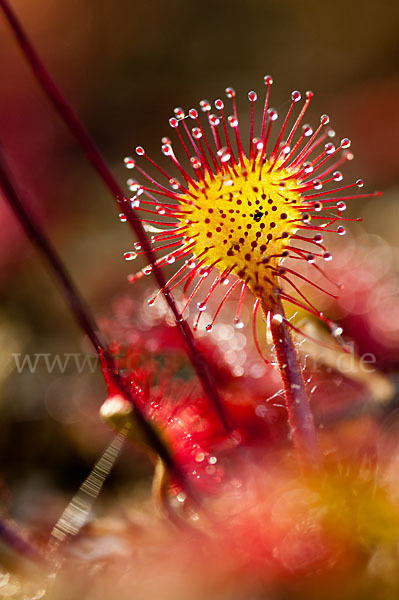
pixel 330 148
pixel 130 255
pixel 273 114
pixel 317 184
pixel 307 130
pixel 205 106
pixel 252 96
pixel 258 144
pixel 296 96
pixel 167 149
pixel 179 112
pixel 214 120
pixel 336 330
pixel 175 183
pixel 131 184
pixel 337 175
pixel 130 163
pixel 196 131
pixel 224 155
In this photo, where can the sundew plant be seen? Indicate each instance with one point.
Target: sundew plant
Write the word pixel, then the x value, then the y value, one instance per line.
pixel 243 214
pixel 258 489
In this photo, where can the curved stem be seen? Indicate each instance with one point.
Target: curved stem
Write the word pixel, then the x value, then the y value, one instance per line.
pixel 97 161
pixel 300 416
pixel 84 319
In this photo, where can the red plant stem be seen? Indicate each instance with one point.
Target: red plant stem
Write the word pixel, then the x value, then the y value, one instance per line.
pixel 299 413
pixel 95 158
pixel 84 318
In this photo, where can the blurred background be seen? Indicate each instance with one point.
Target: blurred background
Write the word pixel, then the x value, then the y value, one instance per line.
pixel 124 66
